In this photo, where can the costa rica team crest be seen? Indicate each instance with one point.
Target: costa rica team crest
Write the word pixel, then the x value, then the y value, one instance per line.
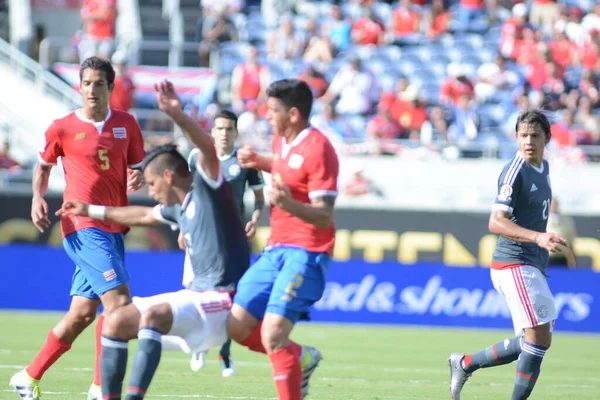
pixel 120 133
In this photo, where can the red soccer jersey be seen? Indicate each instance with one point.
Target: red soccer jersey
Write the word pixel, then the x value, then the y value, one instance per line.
pixel 309 166
pixel 95 162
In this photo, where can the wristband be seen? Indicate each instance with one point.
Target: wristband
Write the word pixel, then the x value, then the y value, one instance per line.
pixel 97 212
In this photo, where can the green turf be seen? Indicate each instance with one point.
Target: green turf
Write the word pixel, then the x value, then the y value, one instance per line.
pixel 361 362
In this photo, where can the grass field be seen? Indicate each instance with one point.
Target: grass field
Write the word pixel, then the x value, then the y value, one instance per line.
pixel 361 362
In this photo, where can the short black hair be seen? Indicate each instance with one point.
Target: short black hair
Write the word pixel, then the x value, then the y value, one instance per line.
pixel 535 117
pixel 292 93
pixel 98 64
pixel 166 157
pixel 226 114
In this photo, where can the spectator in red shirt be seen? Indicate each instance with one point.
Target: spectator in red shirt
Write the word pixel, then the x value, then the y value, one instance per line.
pixel 249 82
pixel 6 162
pixel 315 80
pixel 383 126
pixel 563 132
pixel 437 19
pixel 121 97
pixel 359 185
pixel 589 54
pixel 457 84
pixel 512 31
pixel 98 18
pixel 406 23
pixel 563 51
pixel 367 30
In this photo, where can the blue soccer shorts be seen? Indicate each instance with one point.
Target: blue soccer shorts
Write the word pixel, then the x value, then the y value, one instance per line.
pixel 99 259
pixel 285 280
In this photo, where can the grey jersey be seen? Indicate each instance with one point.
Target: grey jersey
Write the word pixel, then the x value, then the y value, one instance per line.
pixel 525 192
pixel 235 175
pixel 214 236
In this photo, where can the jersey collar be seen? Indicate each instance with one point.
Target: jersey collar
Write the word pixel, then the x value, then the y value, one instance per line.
pixel 537 169
pixel 227 157
pixel 98 125
pixel 298 139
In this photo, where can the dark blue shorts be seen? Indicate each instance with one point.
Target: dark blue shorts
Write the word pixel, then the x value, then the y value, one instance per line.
pixel 99 259
pixel 285 280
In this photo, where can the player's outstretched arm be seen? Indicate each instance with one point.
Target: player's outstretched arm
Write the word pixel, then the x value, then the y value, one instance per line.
pixel 39 206
pixel 500 224
pixel 318 213
pixel 248 158
pixel 169 103
pixel 129 216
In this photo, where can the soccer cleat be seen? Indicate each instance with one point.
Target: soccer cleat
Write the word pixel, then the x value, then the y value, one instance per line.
pixel 227 367
pixel 310 361
pixel 94 393
pixel 198 361
pixel 458 376
pixel 26 387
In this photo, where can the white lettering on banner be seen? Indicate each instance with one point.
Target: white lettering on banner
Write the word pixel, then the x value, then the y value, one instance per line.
pixel 434 299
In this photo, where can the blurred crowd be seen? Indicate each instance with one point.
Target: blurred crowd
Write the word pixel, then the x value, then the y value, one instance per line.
pixel 417 78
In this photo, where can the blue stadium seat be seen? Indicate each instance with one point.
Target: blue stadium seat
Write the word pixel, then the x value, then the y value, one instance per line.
pixel 230 55
pixel 352 10
pixel 387 82
pixel 383 11
pixel 358 124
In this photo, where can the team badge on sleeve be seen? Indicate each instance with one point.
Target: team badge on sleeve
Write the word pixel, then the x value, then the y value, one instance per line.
pixel 505 192
pixel 120 133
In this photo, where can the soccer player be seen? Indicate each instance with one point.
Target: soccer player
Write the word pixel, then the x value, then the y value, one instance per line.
pixel 225 133
pixel 96 146
pixel 519 216
pixel 203 205
pixel 289 277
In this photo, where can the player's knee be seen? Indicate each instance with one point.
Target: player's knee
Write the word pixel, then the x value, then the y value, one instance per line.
pixel 81 317
pixel 116 303
pixel 240 324
pixel 113 323
pixel 159 317
pixel 273 337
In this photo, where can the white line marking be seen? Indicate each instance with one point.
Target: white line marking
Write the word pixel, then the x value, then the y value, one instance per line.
pixel 170 396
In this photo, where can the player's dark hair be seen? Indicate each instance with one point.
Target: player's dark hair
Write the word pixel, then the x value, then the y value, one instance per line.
pixel 535 117
pixel 166 157
pixel 98 64
pixel 226 114
pixel 292 93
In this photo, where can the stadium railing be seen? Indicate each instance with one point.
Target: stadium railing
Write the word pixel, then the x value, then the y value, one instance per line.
pixel 30 70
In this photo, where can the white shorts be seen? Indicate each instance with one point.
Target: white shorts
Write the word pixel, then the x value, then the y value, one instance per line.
pixel 198 318
pixel 528 296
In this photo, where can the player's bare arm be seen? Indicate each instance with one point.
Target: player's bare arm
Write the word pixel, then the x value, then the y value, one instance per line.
pixel 500 224
pixel 259 204
pixel 169 103
pixel 129 216
pixel 39 206
pixel 248 158
pixel 318 213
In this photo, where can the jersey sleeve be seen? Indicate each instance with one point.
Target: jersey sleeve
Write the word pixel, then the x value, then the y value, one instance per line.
pixel 136 152
pixel 255 179
pixel 167 215
pixel 53 147
pixel 509 185
pixel 323 170
pixel 192 160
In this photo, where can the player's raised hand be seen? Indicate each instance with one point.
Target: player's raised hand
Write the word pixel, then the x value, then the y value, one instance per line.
pixel 135 180
pixel 73 207
pixel 281 196
pixel 550 241
pixel 247 157
pixel 167 98
pixel 39 213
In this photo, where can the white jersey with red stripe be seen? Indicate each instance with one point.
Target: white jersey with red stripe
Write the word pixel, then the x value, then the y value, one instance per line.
pixel 527 294
pixel 198 318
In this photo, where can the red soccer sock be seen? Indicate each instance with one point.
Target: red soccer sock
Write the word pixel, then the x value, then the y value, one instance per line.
pixel 287 372
pixel 254 341
pixel 48 354
pixel 99 324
